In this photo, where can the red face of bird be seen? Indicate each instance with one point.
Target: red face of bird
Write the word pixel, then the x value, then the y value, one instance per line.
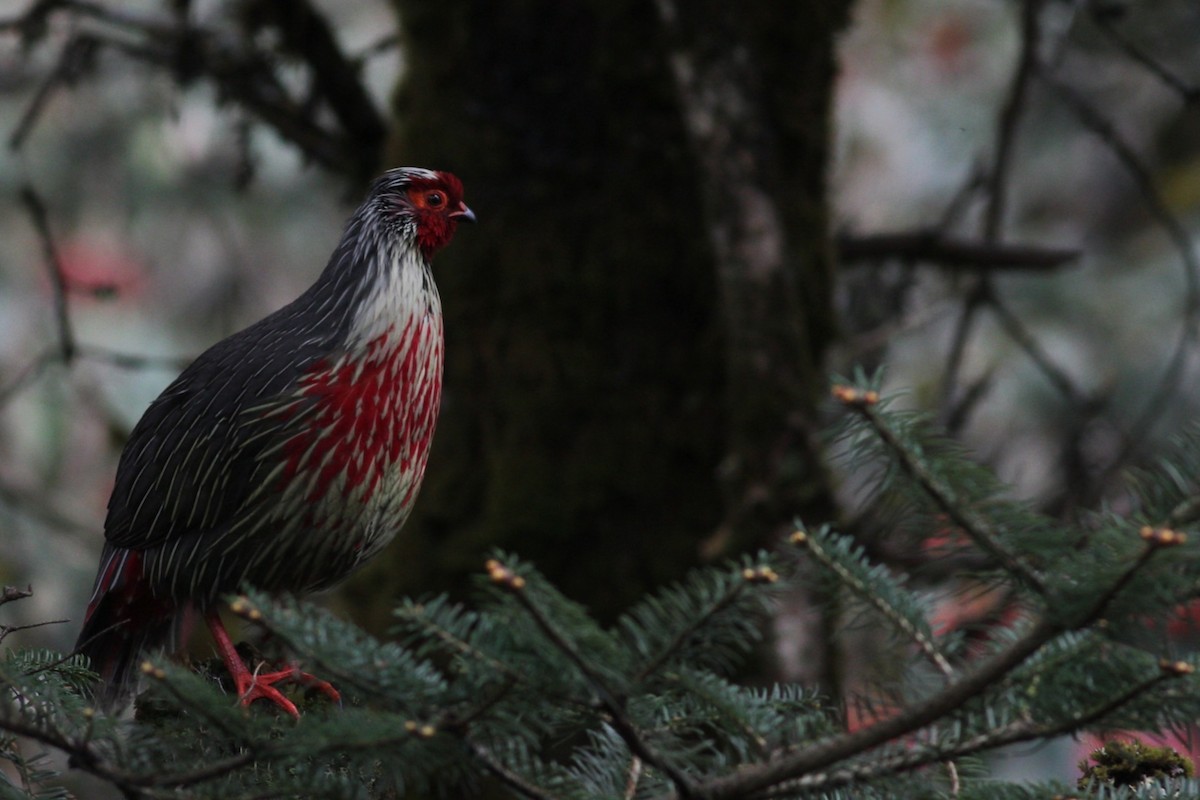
pixel 432 200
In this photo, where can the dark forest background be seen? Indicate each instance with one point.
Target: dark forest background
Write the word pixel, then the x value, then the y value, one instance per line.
pixel 691 216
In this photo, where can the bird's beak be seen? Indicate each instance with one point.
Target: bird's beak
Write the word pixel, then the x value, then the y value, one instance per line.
pixel 464 214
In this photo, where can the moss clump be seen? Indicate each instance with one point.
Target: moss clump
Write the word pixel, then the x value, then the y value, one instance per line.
pixel 1133 763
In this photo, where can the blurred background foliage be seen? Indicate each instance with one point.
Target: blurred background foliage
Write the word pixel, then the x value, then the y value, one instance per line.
pixel 1066 128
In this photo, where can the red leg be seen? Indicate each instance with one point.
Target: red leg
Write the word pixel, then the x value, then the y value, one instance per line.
pixel 253 685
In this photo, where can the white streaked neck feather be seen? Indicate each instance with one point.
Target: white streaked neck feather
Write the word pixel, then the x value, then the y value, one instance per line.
pixel 402 288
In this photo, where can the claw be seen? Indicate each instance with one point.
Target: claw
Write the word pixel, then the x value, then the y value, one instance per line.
pixel 254 685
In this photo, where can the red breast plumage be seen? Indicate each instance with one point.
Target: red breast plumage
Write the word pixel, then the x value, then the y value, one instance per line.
pixel 287 454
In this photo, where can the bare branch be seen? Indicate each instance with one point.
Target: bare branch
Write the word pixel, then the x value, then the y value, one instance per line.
pixel 1010 118
pixel 76 58
pixel 12 593
pixel 1140 55
pixel 5 630
pixel 958 347
pixel 31 372
pixel 1037 354
pixel 1127 156
pixel 239 70
pixel 952 254
pixel 306 34
pixel 58 282
pixel 997 182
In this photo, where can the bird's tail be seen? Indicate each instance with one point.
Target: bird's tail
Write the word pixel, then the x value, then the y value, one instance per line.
pixel 124 619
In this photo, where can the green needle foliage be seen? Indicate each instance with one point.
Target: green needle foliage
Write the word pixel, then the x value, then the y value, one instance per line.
pixel 521 692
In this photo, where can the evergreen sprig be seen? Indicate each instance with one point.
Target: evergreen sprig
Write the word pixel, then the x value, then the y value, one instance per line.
pixel 523 689
pixel 710 621
pixel 875 586
pixel 939 481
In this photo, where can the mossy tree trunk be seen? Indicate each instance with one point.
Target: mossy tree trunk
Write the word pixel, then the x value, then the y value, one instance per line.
pixel 635 328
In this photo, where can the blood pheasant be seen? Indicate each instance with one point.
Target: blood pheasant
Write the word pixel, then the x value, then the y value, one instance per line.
pixel 286 455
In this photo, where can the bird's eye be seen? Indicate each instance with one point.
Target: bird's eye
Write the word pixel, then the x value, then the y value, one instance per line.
pixel 435 199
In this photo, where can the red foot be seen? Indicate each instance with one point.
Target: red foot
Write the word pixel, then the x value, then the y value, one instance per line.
pixel 253 685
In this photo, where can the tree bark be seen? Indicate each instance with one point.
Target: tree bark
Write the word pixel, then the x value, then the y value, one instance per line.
pixel 635 328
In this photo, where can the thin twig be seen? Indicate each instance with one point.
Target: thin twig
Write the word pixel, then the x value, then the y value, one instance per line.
pixel 997 190
pixel 58 282
pixel 1010 118
pixel 960 201
pixel 5 630
pixel 30 373
pixel 238 70
pixel 958 346
pixel 1170 382
pixel 1101 607
pixel 1138 54
pixel 799 767
pixel 76 58
pixel 1032 348
pixel 82 754
pixel 975 391
pixel 306 34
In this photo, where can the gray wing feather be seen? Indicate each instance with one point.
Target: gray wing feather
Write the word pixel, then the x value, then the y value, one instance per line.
pixel 191 462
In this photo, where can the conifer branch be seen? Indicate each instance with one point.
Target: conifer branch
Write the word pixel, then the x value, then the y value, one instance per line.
pixel 1155 539
pixel 415 616
pixel 975 525
pixel 697 686
pixel 160 676
pixel 875 599
pixel 799 768
pixel 612 703
pixel 83 755
pixel 506 776
pixel 1013 733
pixel 759 777
pixel 694 625
pixel 1184 513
